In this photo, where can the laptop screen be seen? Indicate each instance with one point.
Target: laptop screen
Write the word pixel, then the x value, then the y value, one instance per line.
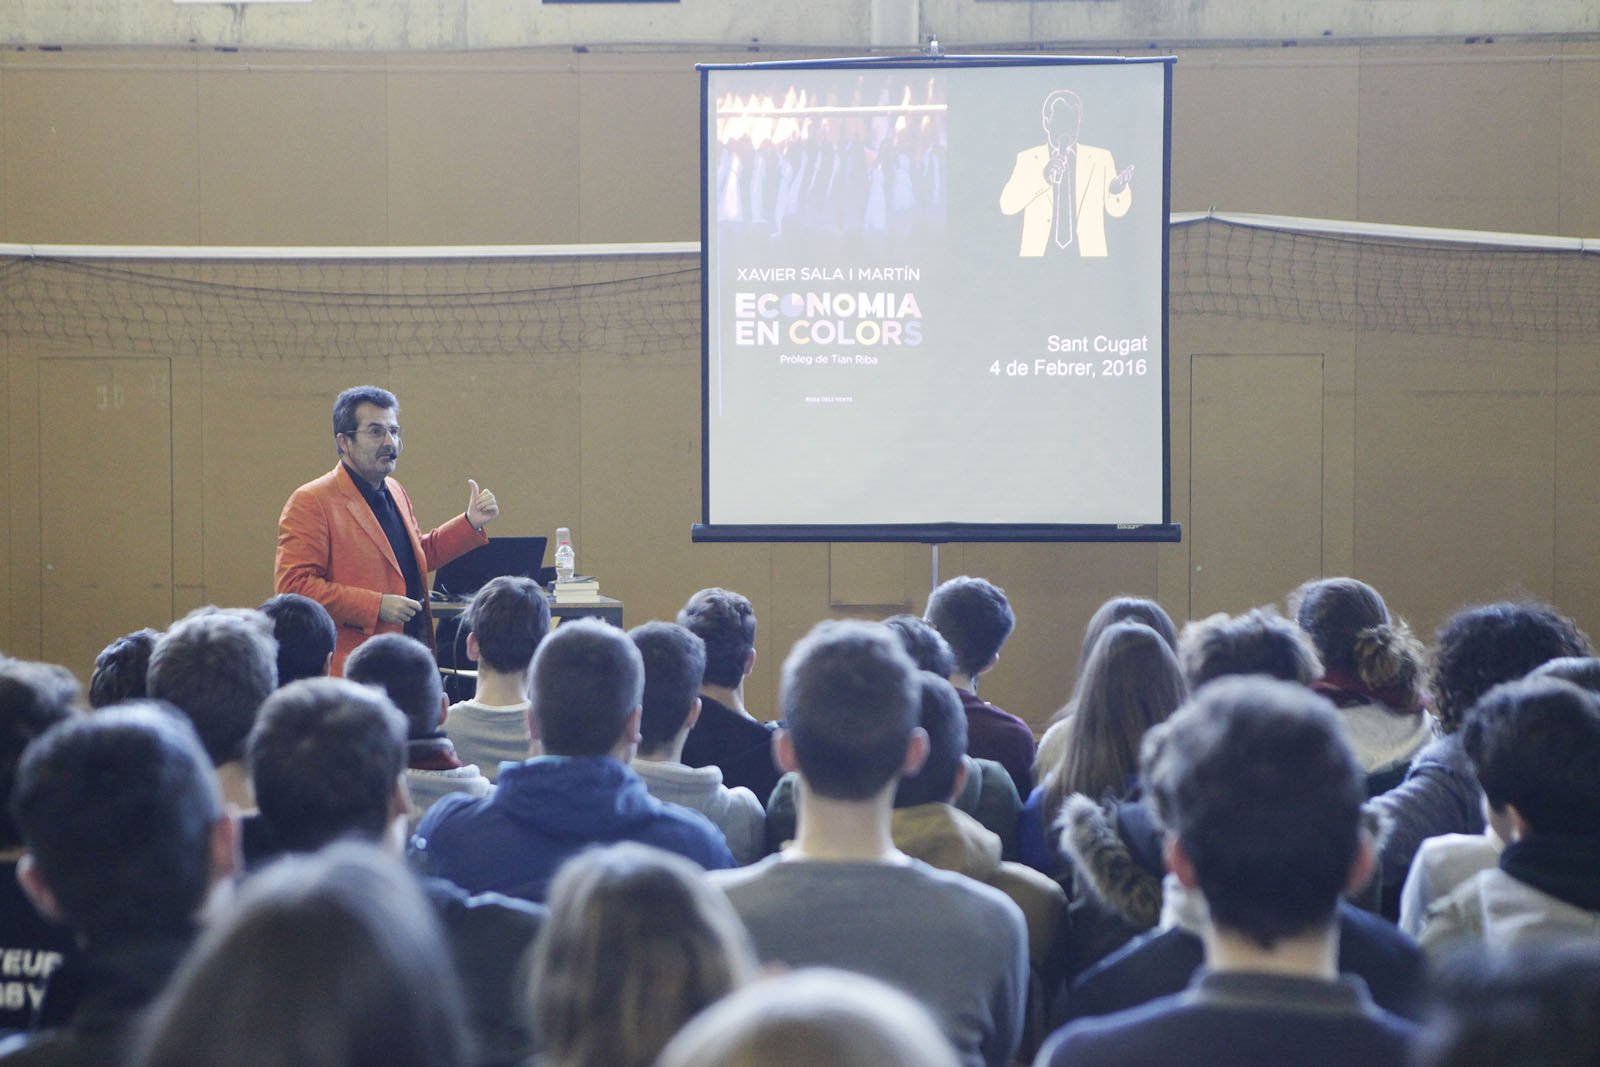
pixel 461 578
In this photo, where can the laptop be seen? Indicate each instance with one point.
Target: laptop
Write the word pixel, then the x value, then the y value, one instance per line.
pixel 523 556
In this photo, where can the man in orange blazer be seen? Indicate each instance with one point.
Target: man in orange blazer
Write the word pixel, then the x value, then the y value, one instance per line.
pixel 350 541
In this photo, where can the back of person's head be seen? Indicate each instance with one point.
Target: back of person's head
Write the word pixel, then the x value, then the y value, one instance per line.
pixel 674 665
pixel 975 617
pixel 404 668
pixel 326 756
pixel 812 1016
pixel 216 666
pixel 118 811
pixel 305 635
pixel 726 622
pixel 509 617
pixel 1581 671
pixel 121 667
pixel 944 720
pixel 1350 626
pixel 1264 795
pixel 334 959
pixel 587 678
pixel 1126 609
pixel 1518 1008
pixel 1258 642
pixel 850 700
pixel 33 698
pixel 1481 647
pixel 638 941
pixel 1535 744
pixel 926 646
pixel 1130 683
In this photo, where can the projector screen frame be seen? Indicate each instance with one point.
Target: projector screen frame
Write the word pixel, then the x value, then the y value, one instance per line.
pixel 1165 531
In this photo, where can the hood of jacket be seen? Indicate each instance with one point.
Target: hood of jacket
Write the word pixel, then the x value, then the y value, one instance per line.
pixel 582 798
pixel 941 836
pixel 1112 857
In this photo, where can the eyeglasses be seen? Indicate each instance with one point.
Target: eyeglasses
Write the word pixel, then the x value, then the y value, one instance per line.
pixel 375 432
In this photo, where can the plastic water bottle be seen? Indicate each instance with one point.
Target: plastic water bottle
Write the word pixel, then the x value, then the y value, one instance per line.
pixel 566 560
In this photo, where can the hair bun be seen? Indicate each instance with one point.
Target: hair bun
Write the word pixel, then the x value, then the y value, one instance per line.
pixel 1387 656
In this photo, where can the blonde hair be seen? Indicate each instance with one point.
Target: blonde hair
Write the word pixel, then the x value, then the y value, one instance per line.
pixel 811 1016
pixel 637 942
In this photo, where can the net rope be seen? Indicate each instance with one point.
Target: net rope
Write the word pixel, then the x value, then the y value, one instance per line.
pixel 331 304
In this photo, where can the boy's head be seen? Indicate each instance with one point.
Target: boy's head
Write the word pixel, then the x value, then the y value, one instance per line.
pixel 1261 797
pixel 926 646
pixel 850 701
pixel 674 664
pixel 1258 642
pixel 975 617
pixel 588 680
pixel 726 622
pixel 305 634
pixel 403 668
pixel 33 698
pixel 507 620
pixel 944 720
pixel 121 667
pixel 1535 744
pixel 1483 646
pixel 216 666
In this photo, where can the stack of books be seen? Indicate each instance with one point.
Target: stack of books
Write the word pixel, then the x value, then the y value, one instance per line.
pixel 579 589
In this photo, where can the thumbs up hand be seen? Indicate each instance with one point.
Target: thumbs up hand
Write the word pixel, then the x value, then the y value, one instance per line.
pixel 481 506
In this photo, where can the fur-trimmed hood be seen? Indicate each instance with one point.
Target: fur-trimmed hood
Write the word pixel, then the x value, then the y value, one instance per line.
pixel 1116 855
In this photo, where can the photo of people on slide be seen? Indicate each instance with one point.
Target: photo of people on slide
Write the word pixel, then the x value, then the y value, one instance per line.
pixel 1065 189
pixel 863 158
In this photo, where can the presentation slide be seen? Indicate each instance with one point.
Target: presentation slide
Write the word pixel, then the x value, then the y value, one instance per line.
pixel 935 294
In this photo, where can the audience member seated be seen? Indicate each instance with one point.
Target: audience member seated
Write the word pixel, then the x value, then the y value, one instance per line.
pixel 1261 798
pixel 727 736
pixel 1516 1009
pixel 404 668
pixel 120 669
pixel 1053 745
pixel 505 623
pixel 1372 670
pixel 588 680
pixel 126 835
pixel 328 759
pixel 1535 746
pixel 637 944
pixel 810 1017
pixel 1085 825
pixel 216 666
pixel 842 894
pixel 1475 651
pixel 674 664
pixel 326 959
pixel 33 698
pixel 987 792
pixel 305 635
pixel 1258 642
pixel 975 617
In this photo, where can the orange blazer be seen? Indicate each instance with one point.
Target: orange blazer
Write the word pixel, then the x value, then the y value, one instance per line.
pixel 332 549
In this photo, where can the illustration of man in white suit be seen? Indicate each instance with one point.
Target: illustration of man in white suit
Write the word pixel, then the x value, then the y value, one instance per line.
pixel 1065 189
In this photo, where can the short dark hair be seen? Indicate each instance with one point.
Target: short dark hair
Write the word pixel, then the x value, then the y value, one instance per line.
pixel 1258 642
pixel 674 664
pixel 216 666
pixel 330 958
pixel 944 720
pixel 120 668
pixel 850 700
pixel 305 634
pixel 33 698
pixel 975 617
pixel 726 622
pixel 1264 796
pixel 404 668
pixel 509 616
pixel 345 404
pixel 324 757
pixel 1581 671
pixel 1481 647
pixel 926 646
pixel 117 809
pixel 1525 1007
pixel 587 677
pixel 1535 744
